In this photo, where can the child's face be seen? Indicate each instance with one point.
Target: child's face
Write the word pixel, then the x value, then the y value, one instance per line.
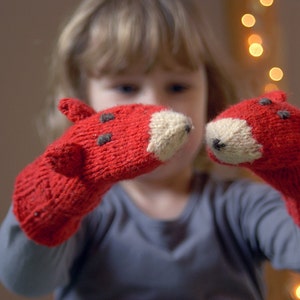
pixel 182 90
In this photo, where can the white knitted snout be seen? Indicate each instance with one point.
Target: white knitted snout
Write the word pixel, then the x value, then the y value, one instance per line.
pixel 235 139
pixel 169 130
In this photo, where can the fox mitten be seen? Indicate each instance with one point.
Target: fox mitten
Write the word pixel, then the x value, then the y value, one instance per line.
pixel 66 182
pixel 263 135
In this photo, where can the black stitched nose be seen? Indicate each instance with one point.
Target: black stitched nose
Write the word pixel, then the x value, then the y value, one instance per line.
pixel 217 144
pixel 188 128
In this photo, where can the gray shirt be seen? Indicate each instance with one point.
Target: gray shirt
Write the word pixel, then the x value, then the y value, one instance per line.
pixel 214 250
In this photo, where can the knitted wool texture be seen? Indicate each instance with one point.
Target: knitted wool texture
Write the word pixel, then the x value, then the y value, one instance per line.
pixel 54 192
pixel 261 134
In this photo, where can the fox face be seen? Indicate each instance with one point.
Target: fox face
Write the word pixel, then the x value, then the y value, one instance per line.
pixel 117 143
pixel 256 133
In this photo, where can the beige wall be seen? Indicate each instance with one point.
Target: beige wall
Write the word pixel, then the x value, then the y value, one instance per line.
pixel 28 29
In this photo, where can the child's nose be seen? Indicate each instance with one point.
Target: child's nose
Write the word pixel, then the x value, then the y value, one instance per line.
pixel 153 96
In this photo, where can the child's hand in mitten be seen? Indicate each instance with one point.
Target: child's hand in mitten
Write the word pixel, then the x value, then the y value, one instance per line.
pixel 67 181
pixel 262 134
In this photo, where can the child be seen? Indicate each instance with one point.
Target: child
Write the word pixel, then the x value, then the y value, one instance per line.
pixel 173 233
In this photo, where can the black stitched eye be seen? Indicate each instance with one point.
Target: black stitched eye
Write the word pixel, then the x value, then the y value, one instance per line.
pixel 283 114
pixel 106 117
pixel 265 101
pixel 104 138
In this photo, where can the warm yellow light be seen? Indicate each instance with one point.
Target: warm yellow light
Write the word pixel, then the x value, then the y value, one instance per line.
pixel 297 292
pixel 266 2
pixel 269 87
pixel 276 74
pixel 248 20
pixel 254 38
pixel 256 49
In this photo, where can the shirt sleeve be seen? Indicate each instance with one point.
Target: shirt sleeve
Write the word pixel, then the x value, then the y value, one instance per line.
pixel 30 269
pixel 265 224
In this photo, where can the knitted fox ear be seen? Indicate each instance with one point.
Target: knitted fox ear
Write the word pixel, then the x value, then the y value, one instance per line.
pixel 276 96
pixel 66 159
pixel 74 109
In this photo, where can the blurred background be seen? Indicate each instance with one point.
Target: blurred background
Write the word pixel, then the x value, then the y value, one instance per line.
pixel 261 35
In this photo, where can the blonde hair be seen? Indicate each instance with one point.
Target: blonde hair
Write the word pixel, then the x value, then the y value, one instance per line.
pixel 110 36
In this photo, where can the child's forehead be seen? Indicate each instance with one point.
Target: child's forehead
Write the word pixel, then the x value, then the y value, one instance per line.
pixel 166 66
pixel 142 66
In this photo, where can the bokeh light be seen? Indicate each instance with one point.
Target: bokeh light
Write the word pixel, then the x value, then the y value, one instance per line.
pixel 269 87
pixel 256 49
pixel 255 38
pixel 295 293
pixel 248 20
pixel 266 2
pixel 276 73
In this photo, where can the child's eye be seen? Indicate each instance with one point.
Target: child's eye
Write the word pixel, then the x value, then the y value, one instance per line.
pixel 127 88
pixel 177 88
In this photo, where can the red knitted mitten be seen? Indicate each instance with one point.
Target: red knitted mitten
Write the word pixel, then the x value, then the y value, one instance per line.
pixel 54 192
pixel 263 135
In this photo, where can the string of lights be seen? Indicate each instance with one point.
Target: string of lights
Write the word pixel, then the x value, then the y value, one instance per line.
pixel 257 43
